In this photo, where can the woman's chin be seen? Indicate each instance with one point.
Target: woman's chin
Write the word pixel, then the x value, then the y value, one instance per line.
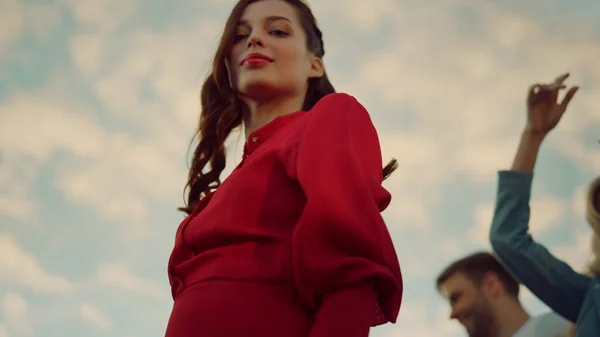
pixel 258 89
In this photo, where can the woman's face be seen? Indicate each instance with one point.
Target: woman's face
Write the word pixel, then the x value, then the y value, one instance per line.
pixel 269 56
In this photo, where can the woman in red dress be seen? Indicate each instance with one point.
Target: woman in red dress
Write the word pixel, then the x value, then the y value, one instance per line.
pixel 292 243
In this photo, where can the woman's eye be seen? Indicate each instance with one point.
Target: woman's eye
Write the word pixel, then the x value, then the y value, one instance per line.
pixel 279 32
pixel 240 37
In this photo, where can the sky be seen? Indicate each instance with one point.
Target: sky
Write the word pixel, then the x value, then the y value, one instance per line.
pixel 99 101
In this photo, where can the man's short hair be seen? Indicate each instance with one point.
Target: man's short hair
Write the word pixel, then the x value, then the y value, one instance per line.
pixel 476 266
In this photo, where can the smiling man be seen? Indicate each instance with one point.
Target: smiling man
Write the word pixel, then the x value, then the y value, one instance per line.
pixel 484 298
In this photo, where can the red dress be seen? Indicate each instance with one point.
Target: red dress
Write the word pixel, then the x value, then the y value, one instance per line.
pixel 292 244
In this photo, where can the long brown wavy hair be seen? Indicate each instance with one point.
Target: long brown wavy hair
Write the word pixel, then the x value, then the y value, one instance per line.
pixel 222 110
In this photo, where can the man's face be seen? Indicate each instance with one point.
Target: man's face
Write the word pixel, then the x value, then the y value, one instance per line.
pixel 469 305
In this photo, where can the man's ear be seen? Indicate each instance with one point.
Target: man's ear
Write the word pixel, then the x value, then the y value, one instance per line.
pixel 491 285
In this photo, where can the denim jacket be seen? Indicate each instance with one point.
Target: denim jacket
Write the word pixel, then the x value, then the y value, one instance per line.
pixel 572 295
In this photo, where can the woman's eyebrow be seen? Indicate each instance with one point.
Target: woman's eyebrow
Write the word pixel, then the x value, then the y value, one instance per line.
pixel 268 19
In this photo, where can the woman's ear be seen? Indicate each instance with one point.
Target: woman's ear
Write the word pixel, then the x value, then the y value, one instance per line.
pixel 317 68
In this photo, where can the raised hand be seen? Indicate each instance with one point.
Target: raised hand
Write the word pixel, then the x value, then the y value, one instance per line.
pixel 543 110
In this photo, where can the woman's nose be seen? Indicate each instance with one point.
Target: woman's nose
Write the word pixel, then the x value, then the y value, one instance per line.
pixel 254 40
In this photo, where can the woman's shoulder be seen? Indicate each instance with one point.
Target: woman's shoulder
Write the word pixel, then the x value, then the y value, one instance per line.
pixel 339 106
pixel 337 99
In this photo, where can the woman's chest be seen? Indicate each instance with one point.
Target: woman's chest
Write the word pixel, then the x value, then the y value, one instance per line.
pixel 588 323
pixel 259 198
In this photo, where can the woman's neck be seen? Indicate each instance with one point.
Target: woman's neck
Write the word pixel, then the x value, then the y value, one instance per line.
pixel 261 113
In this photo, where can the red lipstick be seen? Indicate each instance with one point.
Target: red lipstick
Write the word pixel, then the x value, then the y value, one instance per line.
pixel 256 59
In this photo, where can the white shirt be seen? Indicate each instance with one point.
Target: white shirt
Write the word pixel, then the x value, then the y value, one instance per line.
pixel 545 325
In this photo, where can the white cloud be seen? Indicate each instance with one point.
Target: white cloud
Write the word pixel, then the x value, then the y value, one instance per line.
pixel 413 149
pixel 15 198
pixel 418 262
pixel 18 18
pixel 21 268
pixel 87 52
pixel 108 171
pixel 11 22
pixel 546 211
pixel 468 90
pixel 127 164
pixel 408 212
pixel 42 20
pixel 526 296
pixel 410 200
pixel 418 320
pixel 56 127
pixel 119 276
pixel 14 309
pixel 450 247
pixel 579 151
pixel 367 15
pixel 33 128
pixel 94 316
pixel 579 201
pixel 101 15
pixel 578 253
pixel 479 232
pixel 173 72
pixel 114 181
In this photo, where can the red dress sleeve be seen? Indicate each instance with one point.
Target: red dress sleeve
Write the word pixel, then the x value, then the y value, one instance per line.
pixel 344 260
